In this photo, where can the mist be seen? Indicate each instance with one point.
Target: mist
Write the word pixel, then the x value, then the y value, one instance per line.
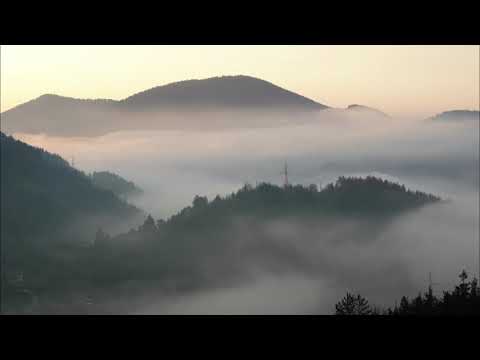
pixel 303 266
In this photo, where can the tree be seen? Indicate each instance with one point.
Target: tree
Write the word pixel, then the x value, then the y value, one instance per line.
pixel 313 188
pixel 463 289
pixel 353 305
pixel 404 305
pixel 148 226
pixel 160 223
pixel 474 288
pixel 463 300
pixel 200 201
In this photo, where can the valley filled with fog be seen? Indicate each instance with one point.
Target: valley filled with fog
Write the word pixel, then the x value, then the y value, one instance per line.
pixel 317 263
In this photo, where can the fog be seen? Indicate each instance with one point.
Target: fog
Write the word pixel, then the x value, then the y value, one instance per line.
pixel 302 266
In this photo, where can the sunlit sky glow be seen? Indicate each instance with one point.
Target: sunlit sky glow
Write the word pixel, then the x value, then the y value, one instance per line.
pixel 401 80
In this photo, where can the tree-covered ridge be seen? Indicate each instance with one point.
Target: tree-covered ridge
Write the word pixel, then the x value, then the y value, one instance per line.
pixel 48 209
pixel 42 196
pixel 208 233
pixel 115 183
pixel 347 196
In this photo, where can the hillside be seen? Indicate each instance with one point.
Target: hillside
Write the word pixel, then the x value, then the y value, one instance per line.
pixel 45 202
pixel 114 183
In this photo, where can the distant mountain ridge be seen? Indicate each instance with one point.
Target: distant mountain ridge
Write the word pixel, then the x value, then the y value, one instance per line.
pixel 215 103
pixel 457 115
pixel 59 115
pixel 366 109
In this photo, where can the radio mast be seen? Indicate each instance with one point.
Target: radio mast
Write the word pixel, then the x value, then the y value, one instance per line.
pixel 285 174
pixel 431 284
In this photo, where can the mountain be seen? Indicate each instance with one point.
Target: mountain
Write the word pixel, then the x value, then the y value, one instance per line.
pixel 115 183
pixel 220 92
pixel 365 110
pixel 61 116
pixel 457 115
pixel 174 105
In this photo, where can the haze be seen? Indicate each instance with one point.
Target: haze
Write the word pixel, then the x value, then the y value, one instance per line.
pixel 173 166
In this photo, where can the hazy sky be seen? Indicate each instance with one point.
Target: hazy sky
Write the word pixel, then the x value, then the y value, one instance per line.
pixel 401 80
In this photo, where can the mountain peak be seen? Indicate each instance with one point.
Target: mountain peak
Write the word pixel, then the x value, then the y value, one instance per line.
pixel 228 91
pixel 363 108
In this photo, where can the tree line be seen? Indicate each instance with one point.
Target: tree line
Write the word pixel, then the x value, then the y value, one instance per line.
pixel 464 299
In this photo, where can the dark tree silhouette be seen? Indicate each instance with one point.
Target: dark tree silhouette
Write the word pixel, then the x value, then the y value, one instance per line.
pixel 463 300
pixel 148 226
pixel 353 305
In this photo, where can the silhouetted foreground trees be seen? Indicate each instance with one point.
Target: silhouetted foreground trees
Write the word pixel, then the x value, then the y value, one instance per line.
pixel 464 299
pixel 353 305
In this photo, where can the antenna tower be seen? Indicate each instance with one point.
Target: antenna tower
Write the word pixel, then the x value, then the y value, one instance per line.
pixel 285 174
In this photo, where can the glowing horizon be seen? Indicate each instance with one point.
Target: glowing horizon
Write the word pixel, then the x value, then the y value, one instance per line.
pixel 399 80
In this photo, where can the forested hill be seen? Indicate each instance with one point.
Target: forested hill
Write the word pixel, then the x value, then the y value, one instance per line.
pixel 210 241
pixel 347 196
pixel 42 195
pixel 224 91
pixel 218 242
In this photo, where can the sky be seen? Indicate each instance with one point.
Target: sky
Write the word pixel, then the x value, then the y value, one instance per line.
pixel 400 80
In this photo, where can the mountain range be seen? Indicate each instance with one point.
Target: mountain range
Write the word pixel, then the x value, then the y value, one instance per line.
pixel 216 103
pixel 208 104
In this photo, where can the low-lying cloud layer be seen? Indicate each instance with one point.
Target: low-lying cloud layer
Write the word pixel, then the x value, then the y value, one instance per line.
pixel 320 263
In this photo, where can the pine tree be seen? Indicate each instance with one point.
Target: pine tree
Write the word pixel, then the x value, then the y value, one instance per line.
pixel 353 305
pixel 148 226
